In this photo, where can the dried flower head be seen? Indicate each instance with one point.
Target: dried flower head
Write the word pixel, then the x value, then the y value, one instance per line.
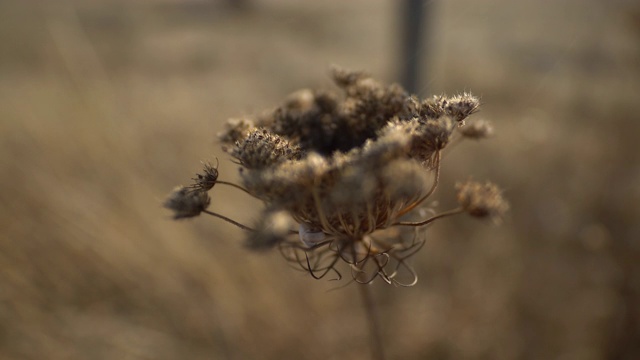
pixel 272 228
pixel 186 202
pixel 478 129
pixel 338 176
pixel 482 200
pixel 207 180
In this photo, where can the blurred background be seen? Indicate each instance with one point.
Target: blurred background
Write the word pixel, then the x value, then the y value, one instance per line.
pixel 105 105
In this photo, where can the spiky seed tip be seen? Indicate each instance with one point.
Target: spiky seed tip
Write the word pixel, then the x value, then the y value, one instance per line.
pixel 186 202
pixel 206 181
pixel 477 130
pixel 261 149
pixel 482 200
pixel 459 107
pixel 272 228
pixel 432 108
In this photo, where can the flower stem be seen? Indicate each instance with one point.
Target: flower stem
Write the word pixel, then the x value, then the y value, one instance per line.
pixel 234 185
pixel 375 337
pixel 431 219
pixel 243 227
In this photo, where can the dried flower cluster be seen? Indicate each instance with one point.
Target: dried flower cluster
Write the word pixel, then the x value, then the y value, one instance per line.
pixel 340 177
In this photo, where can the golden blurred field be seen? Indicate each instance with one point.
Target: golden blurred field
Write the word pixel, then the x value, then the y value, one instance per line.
pixel 105 105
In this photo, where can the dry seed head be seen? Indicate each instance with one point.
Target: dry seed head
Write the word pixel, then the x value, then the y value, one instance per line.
pixel 300 100
pixel 482 200
pixel 345 78
pixel 206 181
pixel 432 108
pixel 404 180
pixel 353 188
pixel 427 138
pixel 288 182
pixel 186 203
pixel 459 107
pixel 478 129
pixel 436 133
pixel 272 228
pixel 261 149
pixel 393 143
pixel 236 130
pixel 346 170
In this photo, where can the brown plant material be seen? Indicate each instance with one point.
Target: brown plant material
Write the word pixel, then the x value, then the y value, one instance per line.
pixel 186 203
pixel 482 200
pixel 345 172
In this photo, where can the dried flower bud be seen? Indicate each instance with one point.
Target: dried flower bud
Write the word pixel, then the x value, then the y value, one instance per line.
pixel 236 130
pixel 353 188
pixel 405 181
pixel 272 228
pixel 206 181
pixel 432 108
pixel 437 133
pixel 460 107
pixel 288 182
pixel 300 100
pixel 482 200
pixel 186 203
pixel 478 129
pixel 394 142
pixel 262 148
pixel 345 78
pixel 427 137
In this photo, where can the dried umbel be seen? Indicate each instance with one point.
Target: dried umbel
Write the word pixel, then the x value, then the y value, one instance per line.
pixel 340 178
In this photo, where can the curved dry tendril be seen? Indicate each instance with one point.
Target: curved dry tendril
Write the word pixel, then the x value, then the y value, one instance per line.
pixel 318 261
pixel 364 262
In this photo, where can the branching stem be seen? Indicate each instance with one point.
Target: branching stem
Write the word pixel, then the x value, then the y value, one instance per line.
pixel 431 219
pixel 233 185
pixel 243 227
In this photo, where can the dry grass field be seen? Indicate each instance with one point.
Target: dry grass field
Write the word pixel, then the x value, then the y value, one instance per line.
pixel 105 105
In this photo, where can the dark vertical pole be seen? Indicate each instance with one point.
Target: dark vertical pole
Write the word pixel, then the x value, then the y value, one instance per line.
pixel 413 26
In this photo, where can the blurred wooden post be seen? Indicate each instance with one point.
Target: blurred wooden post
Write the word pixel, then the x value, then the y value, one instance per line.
pixel 413 34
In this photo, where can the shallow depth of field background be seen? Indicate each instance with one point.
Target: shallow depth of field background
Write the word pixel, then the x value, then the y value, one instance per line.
pixel 105 105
